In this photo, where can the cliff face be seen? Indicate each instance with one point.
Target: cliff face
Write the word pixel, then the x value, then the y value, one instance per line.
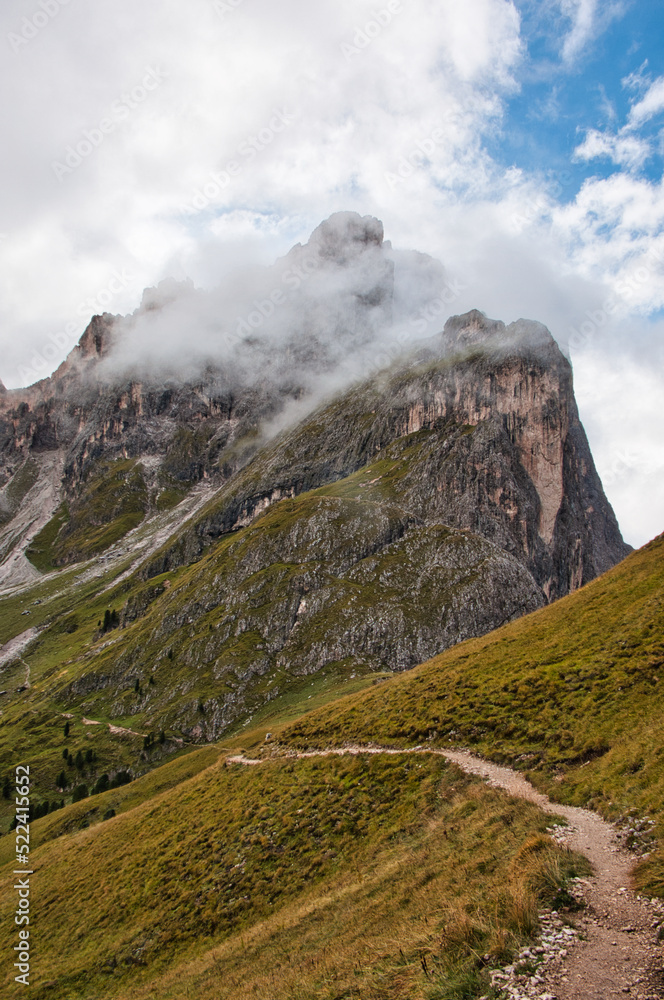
pixel 502 453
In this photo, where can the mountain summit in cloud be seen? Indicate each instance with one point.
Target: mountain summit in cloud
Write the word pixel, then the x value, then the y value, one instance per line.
pixel 194 387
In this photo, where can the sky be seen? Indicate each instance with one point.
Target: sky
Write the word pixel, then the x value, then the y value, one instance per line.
pixel 520 143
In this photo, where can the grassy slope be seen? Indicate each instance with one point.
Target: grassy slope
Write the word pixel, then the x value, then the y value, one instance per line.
pixel 213 630
pixel 197 886
pixel 112 502
pixel 321 877
pixel 573 693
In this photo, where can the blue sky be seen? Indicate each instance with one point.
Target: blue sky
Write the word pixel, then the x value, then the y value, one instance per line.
pixel 559 101
pixel 517 141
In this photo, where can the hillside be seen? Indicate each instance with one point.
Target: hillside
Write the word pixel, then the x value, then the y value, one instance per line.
pixel 338 876
pixel 367 876
pixel 571 694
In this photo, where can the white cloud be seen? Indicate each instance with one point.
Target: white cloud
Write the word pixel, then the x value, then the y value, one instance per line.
pixel 624 147
pixel 589 19
pixel 354 116
pixel 583 15
pixel 624 150
pixel 618 403
pixel 651 104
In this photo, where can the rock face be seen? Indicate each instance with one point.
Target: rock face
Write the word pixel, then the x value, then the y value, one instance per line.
pixel 502 453
pixel 430 502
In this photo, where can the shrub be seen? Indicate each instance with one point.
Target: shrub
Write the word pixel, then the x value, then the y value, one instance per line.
pixel 80 792
pixel 121 778
pixel 102 784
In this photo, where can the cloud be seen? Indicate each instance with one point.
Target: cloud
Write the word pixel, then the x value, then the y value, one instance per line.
pixel 418 68
pixel 624 150
pixel 616 402
pixel 651 104
pixel 589 19
pixel 624 147
pixel 583 15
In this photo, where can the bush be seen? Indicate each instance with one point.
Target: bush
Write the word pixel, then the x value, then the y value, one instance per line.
pixel 80 793
pixel 121 778
pixel 103 784
pixel 111 620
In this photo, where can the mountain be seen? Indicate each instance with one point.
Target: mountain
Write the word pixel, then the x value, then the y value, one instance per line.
pixel 256 511
pixel 189 547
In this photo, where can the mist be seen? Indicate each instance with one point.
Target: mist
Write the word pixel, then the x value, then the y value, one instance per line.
pixel 329 311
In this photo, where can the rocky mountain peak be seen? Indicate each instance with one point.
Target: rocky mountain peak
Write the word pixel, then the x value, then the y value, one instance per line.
pixel 97 339
pixel 345 236
pixel 471 328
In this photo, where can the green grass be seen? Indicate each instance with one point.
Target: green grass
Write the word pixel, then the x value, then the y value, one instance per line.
pixel 42 550
pixel 328 877
pixel 572 694
pixel 301 878
pixel 340 552
pixel 112 502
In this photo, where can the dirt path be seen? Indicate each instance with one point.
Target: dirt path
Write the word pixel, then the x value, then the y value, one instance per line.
pixel 26 683
pixel 618 954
